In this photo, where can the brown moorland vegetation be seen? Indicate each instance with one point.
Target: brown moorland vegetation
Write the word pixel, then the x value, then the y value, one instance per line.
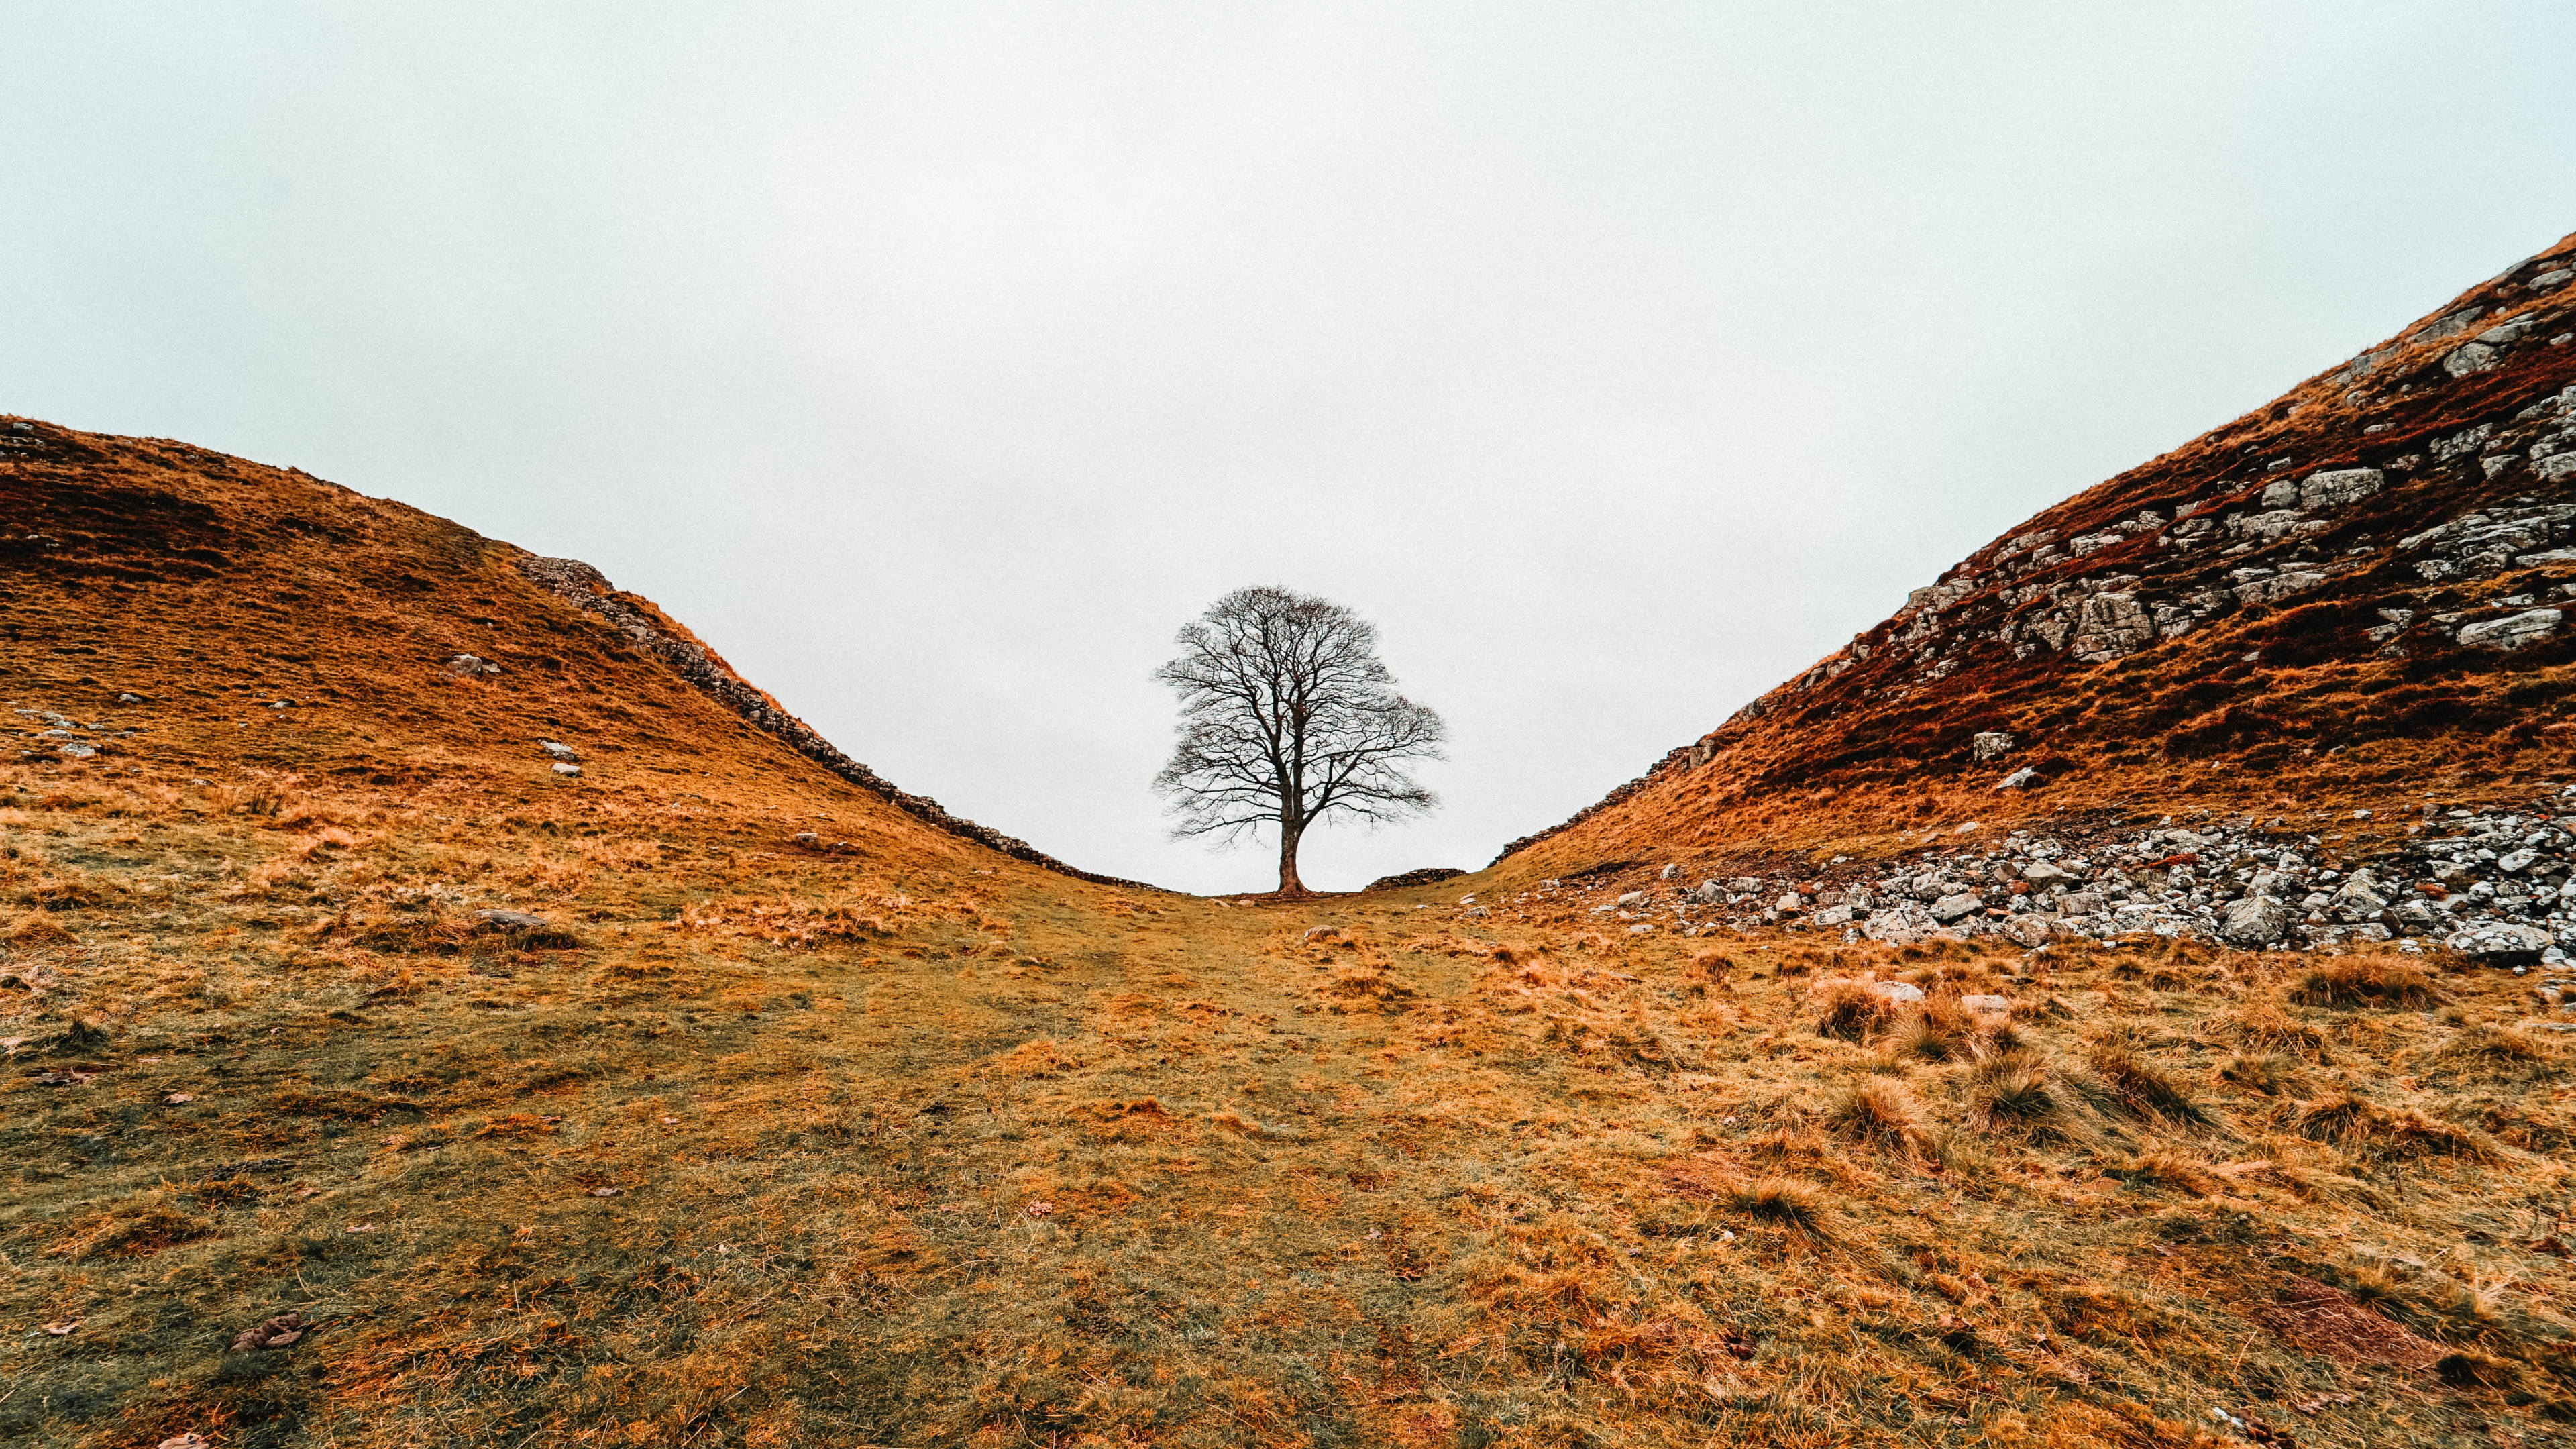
pixel 774 1107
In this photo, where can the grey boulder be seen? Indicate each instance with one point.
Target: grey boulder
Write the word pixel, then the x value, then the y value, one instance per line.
pixel 2254 920
pixel 2499 944
pixel 2027 931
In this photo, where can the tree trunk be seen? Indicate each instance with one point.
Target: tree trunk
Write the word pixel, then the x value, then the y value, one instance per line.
pixel 1289 834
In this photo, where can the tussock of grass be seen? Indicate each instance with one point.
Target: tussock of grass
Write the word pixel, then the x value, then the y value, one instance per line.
pixel 2141 1089
pixel 2371 980
pixel 1880 1113
pixel 2017 1093
pixel 2271 1074
pixel 1783 1203
pixel 1938 1029
pixel 2359 1124
pixel 1849 1012
pixel 2171 1170
pixel 2486 1053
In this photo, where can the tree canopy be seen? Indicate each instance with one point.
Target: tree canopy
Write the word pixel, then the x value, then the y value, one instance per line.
pixel 1289 717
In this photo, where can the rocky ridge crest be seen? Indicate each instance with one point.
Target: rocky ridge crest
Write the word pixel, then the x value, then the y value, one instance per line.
pixel 2408 515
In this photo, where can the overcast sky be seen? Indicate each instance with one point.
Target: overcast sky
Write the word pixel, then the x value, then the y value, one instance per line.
pixel 936 362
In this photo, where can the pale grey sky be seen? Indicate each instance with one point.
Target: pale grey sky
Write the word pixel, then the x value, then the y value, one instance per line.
pixel 937 362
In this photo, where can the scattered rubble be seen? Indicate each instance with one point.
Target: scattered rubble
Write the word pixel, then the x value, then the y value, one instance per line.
pixel 2493 884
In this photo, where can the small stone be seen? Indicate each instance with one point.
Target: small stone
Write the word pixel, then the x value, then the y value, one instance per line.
pixel 2505 334
pixel 76 751
pixel 1956 907
pixel 1789 901
pixel 1987 1003
pixel 509 920
pixel 1990 745
pixel 1632 898
pixel 2018 779
pixel 564 769
pixel 1895 993
pixel 559 751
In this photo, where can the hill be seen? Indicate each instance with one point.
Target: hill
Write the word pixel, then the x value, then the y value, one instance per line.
pixel 444 1003
pixel 2355 591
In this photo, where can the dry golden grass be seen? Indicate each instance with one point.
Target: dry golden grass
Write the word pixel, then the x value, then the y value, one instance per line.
pixel 911 1144
pixel 2376 980
pixel 999 1168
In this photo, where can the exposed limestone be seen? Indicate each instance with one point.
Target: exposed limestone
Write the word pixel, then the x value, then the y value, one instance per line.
pixel 2109 626
pixel 2339 487
pixel 2513 631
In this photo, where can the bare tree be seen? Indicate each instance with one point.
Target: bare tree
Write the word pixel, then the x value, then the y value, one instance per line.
pixel 1287 716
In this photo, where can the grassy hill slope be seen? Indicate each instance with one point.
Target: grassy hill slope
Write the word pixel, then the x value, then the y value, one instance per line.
pixel 714 1095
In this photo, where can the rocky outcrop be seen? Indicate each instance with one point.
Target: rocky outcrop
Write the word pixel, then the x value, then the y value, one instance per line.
pixel 2497 885
pixel 585 588
pixel 2368 516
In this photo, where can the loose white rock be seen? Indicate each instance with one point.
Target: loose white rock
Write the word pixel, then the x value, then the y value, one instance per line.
pixel 2514 630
